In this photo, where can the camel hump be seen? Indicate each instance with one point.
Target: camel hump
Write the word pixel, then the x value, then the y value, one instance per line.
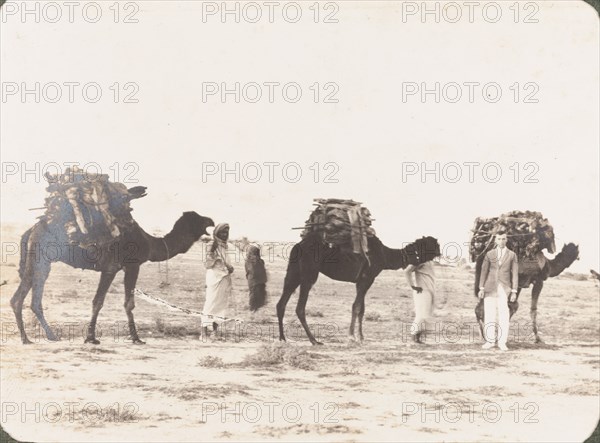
pixel 528 234
pixel 341 222
pixel 91 209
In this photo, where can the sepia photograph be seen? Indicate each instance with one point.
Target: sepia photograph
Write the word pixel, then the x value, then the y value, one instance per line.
pixel 289 221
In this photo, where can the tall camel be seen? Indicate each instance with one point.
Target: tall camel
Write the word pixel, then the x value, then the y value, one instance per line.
pixel 534 271
pixel 312 256
pixel 47 242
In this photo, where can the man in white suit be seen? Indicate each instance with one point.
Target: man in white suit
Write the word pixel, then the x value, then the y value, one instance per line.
pixel 499 277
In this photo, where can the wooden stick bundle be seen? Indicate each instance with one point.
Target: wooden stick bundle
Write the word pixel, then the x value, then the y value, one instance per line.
pixel 528 233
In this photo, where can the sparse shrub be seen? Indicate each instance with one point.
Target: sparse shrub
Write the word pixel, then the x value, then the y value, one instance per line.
pixel 298 358
pixel 575 276
pixel 209 361
pixel 160 325
pixel 170 331
pixel 373 316
pixel 349 370
pixel 266 355
pixel 312 313
pixel 276 354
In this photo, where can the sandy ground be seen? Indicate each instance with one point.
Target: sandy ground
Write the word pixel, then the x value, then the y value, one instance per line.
pixel 244 385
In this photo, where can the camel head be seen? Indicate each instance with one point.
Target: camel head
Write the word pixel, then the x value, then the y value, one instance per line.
pixel 192 224
pixel 562 260
pixel 569 253
pixel 423 250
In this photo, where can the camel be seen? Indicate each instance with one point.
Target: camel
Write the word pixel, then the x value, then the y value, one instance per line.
pixel 47 242
pixel 534 271
pixel 312 256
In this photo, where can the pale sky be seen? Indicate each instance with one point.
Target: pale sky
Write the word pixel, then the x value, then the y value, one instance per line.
pixel 371 134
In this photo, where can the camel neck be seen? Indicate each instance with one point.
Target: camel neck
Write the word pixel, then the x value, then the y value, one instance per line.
pixel 559 264
pixel 160 249
pixel 394 259
pixel 164 248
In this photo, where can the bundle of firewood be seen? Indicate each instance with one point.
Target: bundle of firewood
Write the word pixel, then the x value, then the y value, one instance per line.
pixel 92 209
pixel 528 233
pixel 341 222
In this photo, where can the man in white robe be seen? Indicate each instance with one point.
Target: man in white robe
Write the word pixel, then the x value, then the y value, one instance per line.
pixel 218 280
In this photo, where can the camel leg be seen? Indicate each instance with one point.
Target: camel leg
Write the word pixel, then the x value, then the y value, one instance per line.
pixel 16 302
pixel 361 314
pixel 479 314
pixel 535 294
pixel 355 310
pixel 358 308
pixel 106 279
pixel 292 281
pixel 26 273
pixel 479 308
pixel 305 287
pixel 131 275
pixel 514 306
pixel 40 275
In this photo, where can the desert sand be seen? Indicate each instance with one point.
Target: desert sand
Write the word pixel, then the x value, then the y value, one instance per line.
pixel 245 385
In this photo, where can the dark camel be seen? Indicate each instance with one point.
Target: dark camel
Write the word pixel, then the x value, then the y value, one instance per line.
pixel 534 271
pixel 46 243
pixel 312 256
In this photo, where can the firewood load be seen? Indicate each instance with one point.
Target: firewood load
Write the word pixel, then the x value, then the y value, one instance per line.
pixel 528 233
pixel 343 223
pixel 92 209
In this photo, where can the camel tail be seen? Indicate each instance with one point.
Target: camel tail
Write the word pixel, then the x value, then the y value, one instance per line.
pixel 23 259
